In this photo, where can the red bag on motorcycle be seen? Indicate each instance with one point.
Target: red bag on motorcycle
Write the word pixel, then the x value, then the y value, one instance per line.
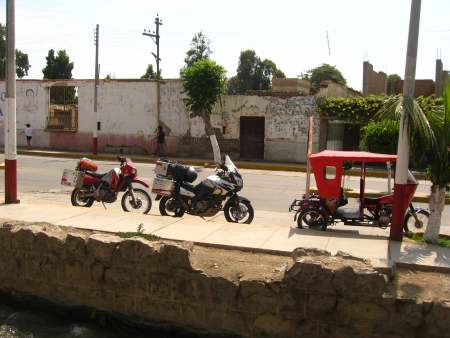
pixel 87 164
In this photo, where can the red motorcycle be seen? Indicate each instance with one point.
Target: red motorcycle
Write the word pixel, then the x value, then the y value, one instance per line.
pixel 91 186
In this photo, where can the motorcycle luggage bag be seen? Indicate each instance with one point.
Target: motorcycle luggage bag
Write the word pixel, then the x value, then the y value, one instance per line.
pixel 162 186
pixel 87 164
pixel 181 172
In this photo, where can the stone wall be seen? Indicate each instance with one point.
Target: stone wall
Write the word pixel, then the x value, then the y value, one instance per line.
pixel 157 284
pixel 292 85
pixel 374 83
pixel 421 87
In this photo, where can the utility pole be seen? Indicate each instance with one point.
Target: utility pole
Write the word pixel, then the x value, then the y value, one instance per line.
pixel 10 116
pixel 97 119
pixel 308 153
pixel 155 38
pixel 401 173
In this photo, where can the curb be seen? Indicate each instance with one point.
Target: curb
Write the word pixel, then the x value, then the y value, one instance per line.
pixel 147 159
pixel 292 167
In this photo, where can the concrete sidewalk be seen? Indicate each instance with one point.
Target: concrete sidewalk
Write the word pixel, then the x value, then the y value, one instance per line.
pixel 270 231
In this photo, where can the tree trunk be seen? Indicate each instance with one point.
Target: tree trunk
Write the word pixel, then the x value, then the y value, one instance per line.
pixel 437 204
pixel 212 136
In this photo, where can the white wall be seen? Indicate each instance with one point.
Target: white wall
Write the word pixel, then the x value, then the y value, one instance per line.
pixel 127 110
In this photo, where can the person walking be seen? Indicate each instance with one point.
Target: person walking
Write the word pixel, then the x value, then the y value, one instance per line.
pixel 28 134
pixel 160 141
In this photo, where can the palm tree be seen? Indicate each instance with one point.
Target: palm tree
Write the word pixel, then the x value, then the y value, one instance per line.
pixel 432 132
pixel 439 169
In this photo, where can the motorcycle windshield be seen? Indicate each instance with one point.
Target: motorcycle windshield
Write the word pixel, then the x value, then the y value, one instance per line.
pixel 229 164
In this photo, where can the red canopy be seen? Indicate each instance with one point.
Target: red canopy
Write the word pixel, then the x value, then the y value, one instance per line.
pixel 330 185
pixel 362 156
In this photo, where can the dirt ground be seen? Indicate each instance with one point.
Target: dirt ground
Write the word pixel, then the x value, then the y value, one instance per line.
pixel 420 285
pixel 237 265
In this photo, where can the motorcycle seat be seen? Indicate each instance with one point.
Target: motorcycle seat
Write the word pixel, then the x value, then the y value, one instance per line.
pixel 348 213
pixel 370 200
pixel 95 174
pixel 191 187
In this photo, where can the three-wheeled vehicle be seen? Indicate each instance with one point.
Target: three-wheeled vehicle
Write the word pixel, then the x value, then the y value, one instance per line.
pixel 328 206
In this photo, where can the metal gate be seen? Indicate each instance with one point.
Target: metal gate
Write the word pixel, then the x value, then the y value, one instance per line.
pixel 252 137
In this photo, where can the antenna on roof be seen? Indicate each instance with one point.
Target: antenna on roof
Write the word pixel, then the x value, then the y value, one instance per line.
pixel 328 44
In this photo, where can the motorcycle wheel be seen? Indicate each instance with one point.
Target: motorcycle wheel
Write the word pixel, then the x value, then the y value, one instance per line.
pixel 78 201
pixel 312 219
pixel 411 225
pixel 143 201
pixel 166 207
pixel 241 212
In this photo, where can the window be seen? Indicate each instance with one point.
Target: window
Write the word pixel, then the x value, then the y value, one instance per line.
pixel 330 173
pixel 63 108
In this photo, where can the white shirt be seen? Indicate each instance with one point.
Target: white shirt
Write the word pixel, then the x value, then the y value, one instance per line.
pixel 28 131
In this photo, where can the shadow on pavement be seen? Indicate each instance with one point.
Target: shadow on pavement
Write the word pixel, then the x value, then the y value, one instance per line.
pixel 340 233
pixel 419 254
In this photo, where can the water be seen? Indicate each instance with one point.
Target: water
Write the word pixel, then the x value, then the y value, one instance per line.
pixel 24 323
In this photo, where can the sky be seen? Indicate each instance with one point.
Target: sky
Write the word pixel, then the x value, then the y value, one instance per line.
pixel 292 33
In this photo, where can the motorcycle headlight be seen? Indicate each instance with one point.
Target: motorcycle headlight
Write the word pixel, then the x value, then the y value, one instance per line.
pixel 238 181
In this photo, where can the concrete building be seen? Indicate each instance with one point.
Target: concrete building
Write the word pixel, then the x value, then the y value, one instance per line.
pixel 253 127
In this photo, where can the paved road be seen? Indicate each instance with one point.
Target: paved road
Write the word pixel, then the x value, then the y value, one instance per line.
pixel 268 190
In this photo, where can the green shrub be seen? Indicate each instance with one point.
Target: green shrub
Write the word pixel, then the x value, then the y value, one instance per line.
pixel 380 137
pixel 362 109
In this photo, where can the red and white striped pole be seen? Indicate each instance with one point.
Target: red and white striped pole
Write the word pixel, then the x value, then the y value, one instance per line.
pixel 97 120
pixel 10 116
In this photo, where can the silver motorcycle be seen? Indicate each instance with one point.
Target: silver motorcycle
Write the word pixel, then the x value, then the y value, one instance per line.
pixel 178 195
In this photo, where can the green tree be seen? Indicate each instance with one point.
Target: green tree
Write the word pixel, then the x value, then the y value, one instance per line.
pixel 429 135
pixel 253 73
pixel 390 81
pixel 150 73
pixel 200 49
pixel 321 73
pixel 204 83
pixel 22 63
pixel 439 168
pixel 59 67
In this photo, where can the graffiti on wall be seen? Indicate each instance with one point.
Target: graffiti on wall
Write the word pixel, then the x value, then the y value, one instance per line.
pixel 30 104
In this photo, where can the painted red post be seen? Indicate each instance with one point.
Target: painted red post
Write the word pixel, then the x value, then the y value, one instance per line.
pixel 10 116
pixel 401 173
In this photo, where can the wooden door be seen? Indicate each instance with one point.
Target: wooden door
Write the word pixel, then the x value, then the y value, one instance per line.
pixel 252 137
